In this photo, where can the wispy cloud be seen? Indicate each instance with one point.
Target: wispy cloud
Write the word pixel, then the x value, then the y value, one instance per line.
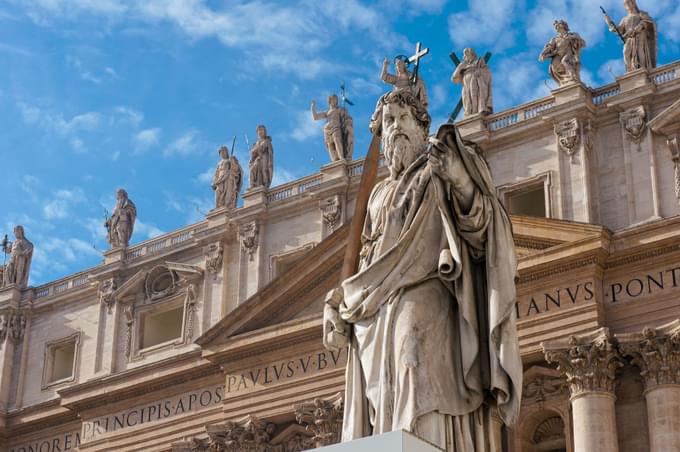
pixel 130 115
pixel 305 127
pixel 184 145
pixel 484 23
pixel 55 122
pixel 146 139
pixel 59 206
pixel 145 231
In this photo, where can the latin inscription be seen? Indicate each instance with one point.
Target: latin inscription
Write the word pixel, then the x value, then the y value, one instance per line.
pixel 285 370
pixel 61 443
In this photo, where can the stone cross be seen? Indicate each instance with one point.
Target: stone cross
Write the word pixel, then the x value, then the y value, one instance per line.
pixel 459 106
pixel 416 60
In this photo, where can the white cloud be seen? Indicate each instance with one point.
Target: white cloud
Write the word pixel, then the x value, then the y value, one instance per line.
pixel 146 231
pixel 484 23
pixel 611 69
pixel 282 176
pixel 55 254
pixel 55 122
pixel 184 145
pixel 130 115
pixel 305 126
pixel 514 83
pixel 147 138
pixel 59 207
pixel 206 176
pixel 116 155
pixel 78 145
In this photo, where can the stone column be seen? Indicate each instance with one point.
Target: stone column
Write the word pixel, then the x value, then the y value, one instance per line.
pixel 656 351
pixel 589 363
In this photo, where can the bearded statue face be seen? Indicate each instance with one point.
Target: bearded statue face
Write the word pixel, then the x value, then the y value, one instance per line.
pixel 402 137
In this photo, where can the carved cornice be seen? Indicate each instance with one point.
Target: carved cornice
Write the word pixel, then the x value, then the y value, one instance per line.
pixel 588 361
pixel 656 351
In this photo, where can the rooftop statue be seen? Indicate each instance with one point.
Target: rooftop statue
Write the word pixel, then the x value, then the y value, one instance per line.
pixel 429 318
pixel 638 32
pixel 227 180
pixel 403 79
pixel 122 221
pixel 338 131
pixel 261 163
pixel 475 76
pixel 17 270
pixel 564 51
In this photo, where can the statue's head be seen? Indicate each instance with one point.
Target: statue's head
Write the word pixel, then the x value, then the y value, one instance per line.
pixel 261 131
pixel 561 26
pixel 224 152
pixel 19 231
pixel 332 101
pixel 469 54
pixel 401 63
pixel 121 195
pixel 631 6
pixel 403 124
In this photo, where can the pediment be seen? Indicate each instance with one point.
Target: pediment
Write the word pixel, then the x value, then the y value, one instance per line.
pixel 299 292
pixel 144 280
pixel 668 121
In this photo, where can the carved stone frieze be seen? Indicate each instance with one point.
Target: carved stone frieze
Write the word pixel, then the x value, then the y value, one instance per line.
pixel 588 361
pixel 213 258
pixel 568 135
pixel 331 212
pixel 249 234
pixel 634 123
pixel 323 418
pixel 105 292
pixel 17 327
pixel 543 387
pixel 656 351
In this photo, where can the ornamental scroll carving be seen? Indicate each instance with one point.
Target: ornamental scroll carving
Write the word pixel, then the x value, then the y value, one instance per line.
pixel 543 387
pixel 568 136
pixel 105 292
pixel 331 212
pixel 249 238
pixel 634 123
pixel 213 258
pixel 4 327
pixel 589 361
pixel 656 351
pixel 319 424
pixel 674 147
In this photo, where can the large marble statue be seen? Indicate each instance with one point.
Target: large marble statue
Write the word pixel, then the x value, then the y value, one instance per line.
pixel 122 221
pixel 16 271
pixel 430 316
pixel 261 163
pixel 339 129
pixel 227 180
pixel 475 76
pixel 564 51
pixel 638 31
pixel 402 79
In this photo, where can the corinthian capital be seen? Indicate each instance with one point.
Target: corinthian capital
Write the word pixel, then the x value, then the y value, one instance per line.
pixel 656 351
pixel 323 418
pixel 588 361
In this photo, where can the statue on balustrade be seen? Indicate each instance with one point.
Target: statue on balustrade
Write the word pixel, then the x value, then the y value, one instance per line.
pixel 17 270
pixel 564 51
pixel 338 131
pixel 227 180
pixel 475 76
pixel 638 32
pixel 429 318
pixel 122 221
pixel 403 79
pixel 261 163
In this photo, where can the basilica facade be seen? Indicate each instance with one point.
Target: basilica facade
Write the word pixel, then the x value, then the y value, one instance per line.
pixel 211 336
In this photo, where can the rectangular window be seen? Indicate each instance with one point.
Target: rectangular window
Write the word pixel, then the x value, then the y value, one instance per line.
pixel 161 327
pixel 61 357
pixel 529 202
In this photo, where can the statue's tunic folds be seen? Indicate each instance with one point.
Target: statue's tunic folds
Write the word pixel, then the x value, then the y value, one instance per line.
pixel 413 306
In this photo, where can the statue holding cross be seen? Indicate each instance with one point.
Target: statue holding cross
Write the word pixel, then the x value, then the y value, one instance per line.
pixel 475 76
pixel 404 79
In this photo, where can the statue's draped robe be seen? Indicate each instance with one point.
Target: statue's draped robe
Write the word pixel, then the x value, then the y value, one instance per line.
pixel 261 163
pixel 414 359
pixel 339 126
pixel 565 54
pixel 122 223
pixel 19 265
pixel 476 79
pixel 639 50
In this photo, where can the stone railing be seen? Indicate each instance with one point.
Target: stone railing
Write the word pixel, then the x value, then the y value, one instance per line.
pixel 605 92
pixel 62 285
pixel 164 242
pixel 665 74
pixel 291 189
pixel 511 117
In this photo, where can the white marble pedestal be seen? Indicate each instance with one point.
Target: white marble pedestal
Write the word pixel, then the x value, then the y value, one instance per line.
pixel 399 441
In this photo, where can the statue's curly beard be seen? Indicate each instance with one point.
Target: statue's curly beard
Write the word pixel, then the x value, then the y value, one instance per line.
pixel 401 150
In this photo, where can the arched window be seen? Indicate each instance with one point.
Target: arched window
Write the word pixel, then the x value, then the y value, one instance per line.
pixel 549 435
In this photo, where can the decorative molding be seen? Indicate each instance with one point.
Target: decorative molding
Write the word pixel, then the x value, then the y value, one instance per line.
pixel 634 123
pixel 129 313
pixel 543 179
pixel 4 327
pixel 331 212
pixel 105 293
pixel 549 431
pixel 568 135
pixel 543 387
pixel 674 148
pixel 160 282
pixel 323 418
pixel 17 327
pixel 589 361
pixel 48 361
pixel 189 309
pixel 250 235
pixel 656 351
pixel 213 258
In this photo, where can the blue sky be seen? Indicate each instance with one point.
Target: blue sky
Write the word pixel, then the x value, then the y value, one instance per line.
pixel 100 94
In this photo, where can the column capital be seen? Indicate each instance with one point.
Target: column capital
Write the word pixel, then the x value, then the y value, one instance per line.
pixel 589 361
pixel 656 351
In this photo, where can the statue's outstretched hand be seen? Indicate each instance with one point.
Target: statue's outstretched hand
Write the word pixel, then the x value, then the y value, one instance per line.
pixel 447 164
pixel 335 330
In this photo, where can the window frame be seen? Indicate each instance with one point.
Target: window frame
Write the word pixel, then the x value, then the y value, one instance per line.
pixel 544 180
pixel 48 361
pixel 175 301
